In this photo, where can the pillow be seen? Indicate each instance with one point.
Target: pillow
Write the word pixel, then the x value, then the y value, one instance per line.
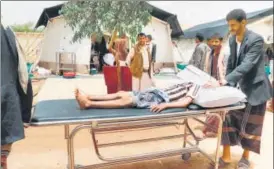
pixel 195 75
pixel 218 97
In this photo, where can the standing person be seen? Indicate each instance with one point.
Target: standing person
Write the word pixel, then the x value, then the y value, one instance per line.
pixel 121 48
pixel 209 42
pixel 94 52
pixel 212 69
pixel 103 49
pixel 16 94
pixel 200 53
pixel 216 46
pixel 245 69
pixel 222 61
pixel 269 69
pixel 139 61
pixel 152 49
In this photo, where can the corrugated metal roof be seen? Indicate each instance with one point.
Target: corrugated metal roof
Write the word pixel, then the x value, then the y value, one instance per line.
pixel 220 26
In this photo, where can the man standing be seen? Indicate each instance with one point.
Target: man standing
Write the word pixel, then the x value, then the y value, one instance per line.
pixel 209 42
pixel 103 49
pixel 200 53
pixel 94 52
pixel 16 94
pixel 212 69
pixel 245 69
pixel 121 48
pixel 139 60
pixel 152 50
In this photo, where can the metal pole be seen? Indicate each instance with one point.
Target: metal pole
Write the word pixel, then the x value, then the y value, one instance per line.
pixel 67 137
pixel 219 137
pixel 185 133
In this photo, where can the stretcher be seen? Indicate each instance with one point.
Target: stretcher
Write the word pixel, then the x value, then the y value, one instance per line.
pixel 67 113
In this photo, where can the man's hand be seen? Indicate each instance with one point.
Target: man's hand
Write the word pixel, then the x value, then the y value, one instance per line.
pixel 158 108
pixel 211 84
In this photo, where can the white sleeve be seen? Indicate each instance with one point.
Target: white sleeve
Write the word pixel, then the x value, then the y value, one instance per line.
pixel 130 56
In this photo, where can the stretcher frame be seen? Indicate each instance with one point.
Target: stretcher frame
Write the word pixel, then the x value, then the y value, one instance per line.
pixel 112 124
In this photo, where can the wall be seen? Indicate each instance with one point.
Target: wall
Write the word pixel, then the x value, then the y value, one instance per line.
pixel 161 34
pixel 58 37
pixel 31 42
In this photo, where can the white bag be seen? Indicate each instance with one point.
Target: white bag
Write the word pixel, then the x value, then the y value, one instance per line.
pixel 219 97
pixel 195 75
pixel 109 59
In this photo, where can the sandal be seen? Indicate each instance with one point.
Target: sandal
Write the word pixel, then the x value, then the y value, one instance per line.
pixel 243 164
pixel 222 164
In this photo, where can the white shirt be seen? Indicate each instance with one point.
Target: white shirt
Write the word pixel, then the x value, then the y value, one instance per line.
pixel 238 53
pixel 238 48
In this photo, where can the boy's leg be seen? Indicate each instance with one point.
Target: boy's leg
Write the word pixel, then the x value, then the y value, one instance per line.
pixel 125 100
pixel 103 97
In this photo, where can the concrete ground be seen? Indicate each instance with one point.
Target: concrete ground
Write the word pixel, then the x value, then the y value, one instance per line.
pixel 45 147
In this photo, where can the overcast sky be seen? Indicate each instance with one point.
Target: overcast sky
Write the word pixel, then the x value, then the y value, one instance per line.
pixel 188 12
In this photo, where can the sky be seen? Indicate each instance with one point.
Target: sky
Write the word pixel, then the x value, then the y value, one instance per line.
pixel 188 12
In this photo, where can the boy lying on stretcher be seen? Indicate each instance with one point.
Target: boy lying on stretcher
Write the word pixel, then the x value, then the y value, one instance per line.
pixel 175 96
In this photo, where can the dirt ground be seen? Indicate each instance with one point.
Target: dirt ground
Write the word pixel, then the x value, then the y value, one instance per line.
pixel 45 147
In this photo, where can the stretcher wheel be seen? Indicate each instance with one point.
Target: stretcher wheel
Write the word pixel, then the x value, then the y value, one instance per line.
pixel 186 156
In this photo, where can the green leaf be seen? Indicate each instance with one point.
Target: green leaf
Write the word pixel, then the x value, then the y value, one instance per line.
pixel 88 16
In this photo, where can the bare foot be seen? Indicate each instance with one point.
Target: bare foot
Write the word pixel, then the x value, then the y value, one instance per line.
pixel 81 99
pixel 76 92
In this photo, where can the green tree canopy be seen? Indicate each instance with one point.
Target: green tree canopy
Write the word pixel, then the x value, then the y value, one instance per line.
pixel 86 17
pixel 25 27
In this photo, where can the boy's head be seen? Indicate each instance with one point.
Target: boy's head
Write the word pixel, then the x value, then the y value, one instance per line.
pixel 216 40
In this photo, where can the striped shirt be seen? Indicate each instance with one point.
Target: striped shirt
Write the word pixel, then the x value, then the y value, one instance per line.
pixel 181 90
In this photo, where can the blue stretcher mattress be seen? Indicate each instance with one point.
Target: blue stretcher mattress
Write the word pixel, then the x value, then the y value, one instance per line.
pixel 68 111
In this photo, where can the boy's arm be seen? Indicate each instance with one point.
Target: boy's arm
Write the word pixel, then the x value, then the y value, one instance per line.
pixel 182 103
pixel 178 104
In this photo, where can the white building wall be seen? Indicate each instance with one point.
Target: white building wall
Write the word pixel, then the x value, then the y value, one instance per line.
pixel 58 37
pixel 161 34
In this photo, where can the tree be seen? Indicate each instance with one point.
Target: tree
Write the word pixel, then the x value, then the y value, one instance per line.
pixel 25 27
pixel 86 17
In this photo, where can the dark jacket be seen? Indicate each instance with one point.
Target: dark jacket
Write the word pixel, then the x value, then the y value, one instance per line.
pixel 15 104
pixel 199 56
pixel 96 47
pixel 103 48
pixel 248 69
pixel 153 52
